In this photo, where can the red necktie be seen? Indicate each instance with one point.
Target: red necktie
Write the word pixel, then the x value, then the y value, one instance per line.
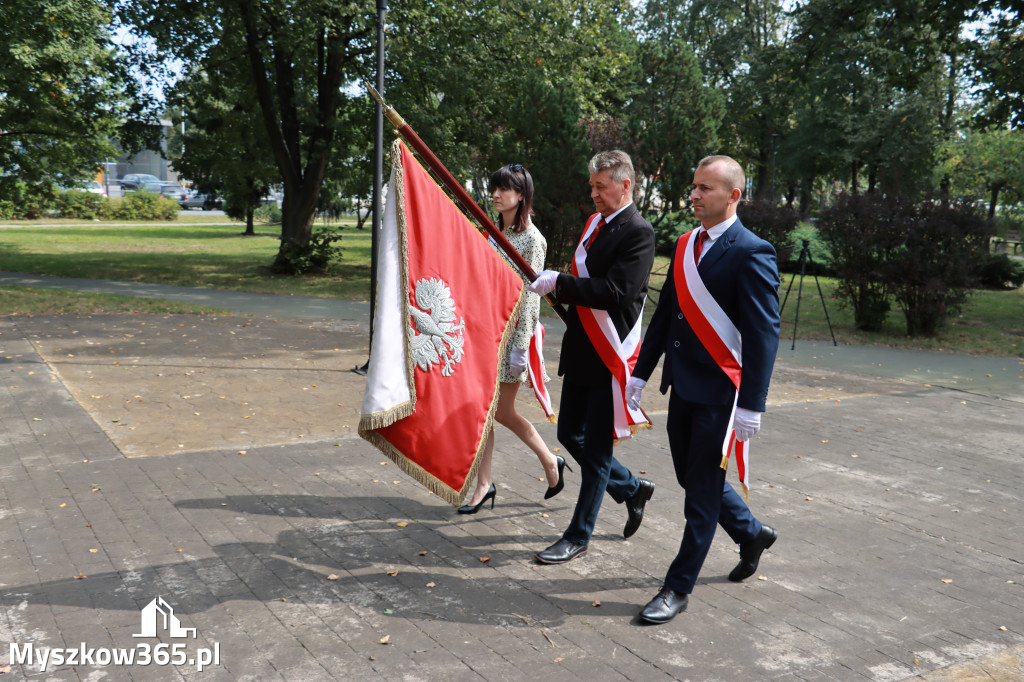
pixel 600 225
pixel 699 246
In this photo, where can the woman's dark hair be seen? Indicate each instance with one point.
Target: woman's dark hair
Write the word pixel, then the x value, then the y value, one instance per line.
pixel 514 176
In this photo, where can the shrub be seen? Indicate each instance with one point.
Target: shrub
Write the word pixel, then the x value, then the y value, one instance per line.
pixel 999 271
pixel 668 228
pixel 141 206
pixel 771 222
pixel 82 205
pixel 315 256
pixel 933 271
pixel 267 213
pixel 861 233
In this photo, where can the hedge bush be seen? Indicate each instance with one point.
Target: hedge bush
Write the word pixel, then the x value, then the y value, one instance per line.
pixel 923 256
pixel 22 204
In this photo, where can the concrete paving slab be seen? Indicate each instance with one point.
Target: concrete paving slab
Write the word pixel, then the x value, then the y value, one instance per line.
pixel 897 503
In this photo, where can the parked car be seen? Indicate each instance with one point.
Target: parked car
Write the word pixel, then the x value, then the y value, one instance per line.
pixel 91 186
pixel 134 181
pixel 205 202
pixel 168 190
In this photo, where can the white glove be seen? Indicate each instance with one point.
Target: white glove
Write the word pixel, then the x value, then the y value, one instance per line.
pixel 634 387
pixel 545 282
pixel 747 423
pixel 517 361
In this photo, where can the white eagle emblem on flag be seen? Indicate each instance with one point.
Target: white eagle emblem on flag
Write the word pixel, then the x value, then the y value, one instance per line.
pixel 438 340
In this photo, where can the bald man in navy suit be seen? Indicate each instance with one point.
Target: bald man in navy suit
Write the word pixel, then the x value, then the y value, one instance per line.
pixel 739 271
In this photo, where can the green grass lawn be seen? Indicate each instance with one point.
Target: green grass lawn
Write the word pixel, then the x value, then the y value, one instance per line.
pixel 35 301
pixel 199 254
pixel 210 251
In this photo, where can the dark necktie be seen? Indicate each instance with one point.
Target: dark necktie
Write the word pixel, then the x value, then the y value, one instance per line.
pixel 702 237
pixel 600 226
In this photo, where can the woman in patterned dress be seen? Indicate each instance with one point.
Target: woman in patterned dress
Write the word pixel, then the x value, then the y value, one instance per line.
pixel 511 189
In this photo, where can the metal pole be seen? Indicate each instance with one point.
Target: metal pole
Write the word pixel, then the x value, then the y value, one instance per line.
pixel 378 169
pixel 774 136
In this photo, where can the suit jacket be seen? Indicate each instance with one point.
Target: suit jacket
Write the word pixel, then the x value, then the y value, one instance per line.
pixel 740 272
pixel 619 262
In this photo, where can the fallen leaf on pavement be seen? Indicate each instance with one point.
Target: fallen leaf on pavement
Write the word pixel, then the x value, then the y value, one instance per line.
pixel 332 576
pixel 431 584
pixel 402 524
pixel 597 602
pixel 484 559
pixel 386 639
pixel 393 571
pixel 947 580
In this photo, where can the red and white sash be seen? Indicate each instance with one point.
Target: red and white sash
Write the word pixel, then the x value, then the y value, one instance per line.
pixel 618 356
pixel 718 335
pixel 535 370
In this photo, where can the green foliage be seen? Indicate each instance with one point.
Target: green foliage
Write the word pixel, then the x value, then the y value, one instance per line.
pixel 141 206
pixel 1000 60
pixel 671 119
pixel 942 249
pixel 861 233
pixel 999 271
pixel 986 164
pixel 922 256
pixel 770 222
pixel 668 228
pixel 291 63
pixel 268 213
pixel 314 257
pixel 84 205
pixel 544 127
pixel 64 91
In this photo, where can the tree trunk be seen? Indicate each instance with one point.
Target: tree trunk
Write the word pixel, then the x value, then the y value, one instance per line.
pixel 249 211
pixel 994 200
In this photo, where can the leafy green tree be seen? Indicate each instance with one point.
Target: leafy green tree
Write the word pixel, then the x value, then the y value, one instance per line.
pixel 742 48
pixel 986 163
pixel 62 96
pixel 672 120
pixel 223 149
pixel 300 55
pixel 486 84
pixel 1000 64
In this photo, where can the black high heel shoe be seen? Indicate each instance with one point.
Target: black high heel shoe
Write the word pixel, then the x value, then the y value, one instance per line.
pixel 557 488
pixel 474 508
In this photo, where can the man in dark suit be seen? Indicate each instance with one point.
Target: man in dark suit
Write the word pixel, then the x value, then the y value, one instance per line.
pixel 611 267
pixel 739 272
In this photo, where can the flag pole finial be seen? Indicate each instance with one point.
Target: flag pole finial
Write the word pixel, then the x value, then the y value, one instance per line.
pixel 389 111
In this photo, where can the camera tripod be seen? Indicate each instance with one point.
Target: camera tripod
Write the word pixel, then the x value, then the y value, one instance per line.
pixel 805 257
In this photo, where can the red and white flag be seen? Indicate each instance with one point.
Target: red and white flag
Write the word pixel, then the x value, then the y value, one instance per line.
pixel 446 307
pixel 535 368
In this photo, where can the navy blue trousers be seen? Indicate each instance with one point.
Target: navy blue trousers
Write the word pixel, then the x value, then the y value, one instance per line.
pixel 695 434
pixel 585 420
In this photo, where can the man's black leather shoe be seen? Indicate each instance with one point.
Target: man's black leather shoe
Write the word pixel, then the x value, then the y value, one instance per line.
pixel 750 554
pixel 635 507
pixel 561 552
pixel 665 606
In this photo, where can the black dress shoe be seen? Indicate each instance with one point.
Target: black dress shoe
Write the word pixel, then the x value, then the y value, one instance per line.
pixel 750 554
pixel 561 552
pixel 665 606
pixel 635 507
pixel 557 488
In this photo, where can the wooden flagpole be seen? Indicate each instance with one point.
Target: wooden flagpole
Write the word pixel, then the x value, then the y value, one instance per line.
pixel 453 185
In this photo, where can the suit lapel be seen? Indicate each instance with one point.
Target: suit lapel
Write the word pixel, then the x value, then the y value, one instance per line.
pixel 721 246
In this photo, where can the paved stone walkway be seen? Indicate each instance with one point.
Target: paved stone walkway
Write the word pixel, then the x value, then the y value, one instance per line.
pixel 211 461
